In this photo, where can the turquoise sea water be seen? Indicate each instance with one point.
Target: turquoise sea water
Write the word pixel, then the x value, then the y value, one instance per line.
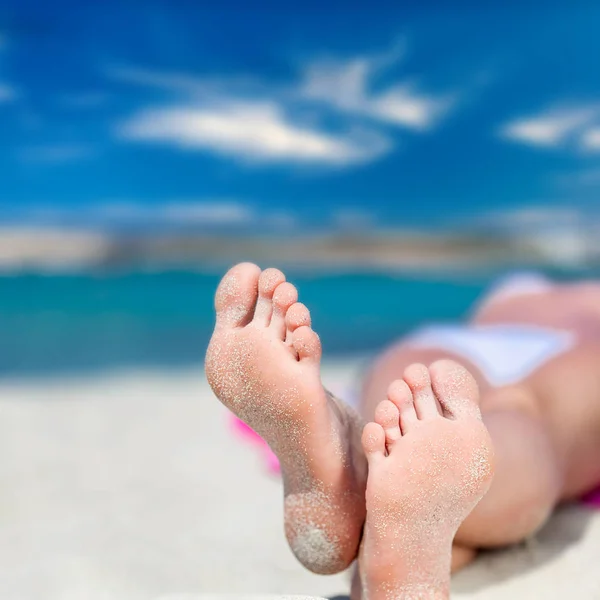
pixel 75 323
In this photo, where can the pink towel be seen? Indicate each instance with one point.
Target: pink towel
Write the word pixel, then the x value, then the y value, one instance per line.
pixel 592 499
pixel 241 429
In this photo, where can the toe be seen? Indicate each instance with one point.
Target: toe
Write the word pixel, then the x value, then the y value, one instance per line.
pixel 399 393
pixel 373 441
pixel 388 416
pixel 235 299
pixel 284 296
pixel 297 316
pixel 268 281
pixel 307 344
pixel 419 382
pixel 455 388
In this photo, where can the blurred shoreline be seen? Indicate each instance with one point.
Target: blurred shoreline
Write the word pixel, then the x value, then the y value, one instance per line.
pixel 50 249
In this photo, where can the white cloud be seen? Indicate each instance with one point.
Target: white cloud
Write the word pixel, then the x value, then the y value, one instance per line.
pixel 532 217
pixel 251 131
pixel 208 213
pixel 190 212
pixel 208 89
pixel 589 177
pixel 280 219
pixel 346 85
pixel 255 121
pixel 404 106
pixel 579 178
pixel 353 218
pixel 193 212
pixel 590 139
pixel 7 93
pixel 550 128
pixel 167 213
pixel 56 153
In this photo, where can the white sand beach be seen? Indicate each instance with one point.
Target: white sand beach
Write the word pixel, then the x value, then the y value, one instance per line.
pixel 130 486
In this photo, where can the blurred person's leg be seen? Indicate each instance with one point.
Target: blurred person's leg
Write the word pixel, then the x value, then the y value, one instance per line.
pixel 529 473
pixel 544 431
pixel 263 363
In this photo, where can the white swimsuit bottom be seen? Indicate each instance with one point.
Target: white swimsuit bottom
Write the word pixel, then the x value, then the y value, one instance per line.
pixel 505 354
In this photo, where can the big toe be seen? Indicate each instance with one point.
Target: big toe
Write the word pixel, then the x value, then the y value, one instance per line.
pixel 388 416
pixel 236 295
pixel 373 441
pixel 455 388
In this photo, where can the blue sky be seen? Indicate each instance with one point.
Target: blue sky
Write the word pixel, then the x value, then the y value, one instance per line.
pixel 271 117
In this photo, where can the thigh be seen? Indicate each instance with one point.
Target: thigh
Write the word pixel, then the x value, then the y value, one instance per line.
pixel 391 364
pixel 568 390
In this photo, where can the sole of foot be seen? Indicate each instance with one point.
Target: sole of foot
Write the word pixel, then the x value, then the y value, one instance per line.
pixel 263 363
pixel 430 462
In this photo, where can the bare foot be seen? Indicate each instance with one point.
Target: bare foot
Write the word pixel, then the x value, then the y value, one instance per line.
pixel 263 364
pixel 430 462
